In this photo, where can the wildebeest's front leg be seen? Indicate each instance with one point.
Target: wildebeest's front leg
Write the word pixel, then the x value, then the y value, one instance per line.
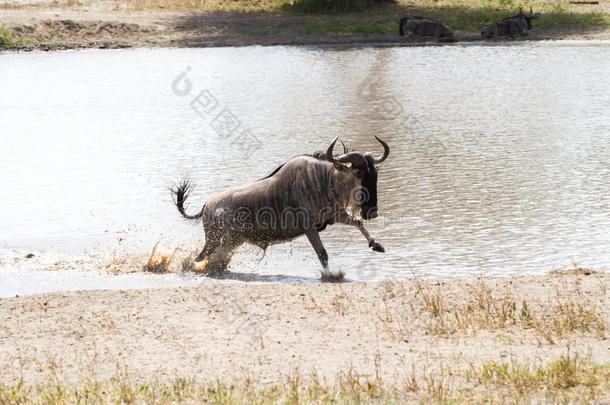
pixel 314 238
pixel 346 219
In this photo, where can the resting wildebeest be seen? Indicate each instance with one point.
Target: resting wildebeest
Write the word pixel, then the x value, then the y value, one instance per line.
pixel 301 197
pixel 517 24
pixel 424 27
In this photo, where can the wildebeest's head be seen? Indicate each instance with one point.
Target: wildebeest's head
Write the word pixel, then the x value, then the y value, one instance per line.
pixel 364 167
pixel 524 17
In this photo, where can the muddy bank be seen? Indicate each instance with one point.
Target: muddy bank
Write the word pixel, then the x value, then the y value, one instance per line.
pixel 263 331
pixel 55 29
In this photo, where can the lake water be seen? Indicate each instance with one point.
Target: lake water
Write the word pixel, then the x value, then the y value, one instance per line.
pixel 500 160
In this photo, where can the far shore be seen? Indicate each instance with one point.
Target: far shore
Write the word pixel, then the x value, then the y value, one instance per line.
pixel 46 27
pixel 541 338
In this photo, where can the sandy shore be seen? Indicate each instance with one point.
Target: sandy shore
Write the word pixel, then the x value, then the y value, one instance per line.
pixel 413 329
pixel 53 28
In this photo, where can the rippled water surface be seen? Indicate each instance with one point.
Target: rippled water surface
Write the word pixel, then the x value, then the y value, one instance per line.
pixel 500 157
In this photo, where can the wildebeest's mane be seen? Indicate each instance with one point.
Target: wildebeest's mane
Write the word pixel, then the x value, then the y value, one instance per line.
pixel 318 155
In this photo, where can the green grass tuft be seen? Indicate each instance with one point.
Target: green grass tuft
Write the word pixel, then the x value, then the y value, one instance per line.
pixel 567 372
pixel 6 37
pixel 567 19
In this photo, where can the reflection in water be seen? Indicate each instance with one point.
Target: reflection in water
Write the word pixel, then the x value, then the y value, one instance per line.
pixel 499 165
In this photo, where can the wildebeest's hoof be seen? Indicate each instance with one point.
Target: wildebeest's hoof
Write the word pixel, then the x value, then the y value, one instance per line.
pixel 332 276
pixel 378 248
pixel 200 266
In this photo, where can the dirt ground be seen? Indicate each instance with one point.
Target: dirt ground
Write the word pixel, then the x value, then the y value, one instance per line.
pixel 262 331
pixel 97 25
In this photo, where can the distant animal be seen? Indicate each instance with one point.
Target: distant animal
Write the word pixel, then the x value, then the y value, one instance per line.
pixel 300 197
pixel 518 24
pixel 424 27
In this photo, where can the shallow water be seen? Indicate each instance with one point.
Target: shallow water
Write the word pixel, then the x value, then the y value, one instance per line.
pixel 500 154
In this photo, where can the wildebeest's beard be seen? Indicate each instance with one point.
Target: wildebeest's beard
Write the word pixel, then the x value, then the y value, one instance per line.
pixel 368 205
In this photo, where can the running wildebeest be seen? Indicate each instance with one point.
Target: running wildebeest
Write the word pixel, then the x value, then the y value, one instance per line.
pixel 301 197
pixel 518 24
pixel 424 27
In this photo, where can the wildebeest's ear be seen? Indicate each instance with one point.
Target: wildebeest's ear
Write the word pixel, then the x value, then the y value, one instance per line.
pixel 340 166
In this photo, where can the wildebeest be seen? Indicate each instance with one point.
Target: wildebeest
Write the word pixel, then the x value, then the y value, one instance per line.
pixel 518 24
pixel 301 197
pixel 424 27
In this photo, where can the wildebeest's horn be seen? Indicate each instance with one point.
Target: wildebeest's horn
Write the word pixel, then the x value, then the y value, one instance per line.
pixel 386 151
pixel 345 150
pixel 329 151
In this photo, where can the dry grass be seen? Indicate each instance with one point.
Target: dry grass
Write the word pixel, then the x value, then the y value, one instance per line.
pixel 566 379
pixel 574 271
pixel 483 308
pixel 572 377
pixel 241 6
pixel 340 303
pixel 6 37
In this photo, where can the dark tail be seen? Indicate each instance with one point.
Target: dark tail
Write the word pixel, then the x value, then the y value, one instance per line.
pixel 182 192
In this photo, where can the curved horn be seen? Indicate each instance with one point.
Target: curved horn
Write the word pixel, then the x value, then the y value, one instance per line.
pixel 345 150
pixel 386 151
pixel 329 151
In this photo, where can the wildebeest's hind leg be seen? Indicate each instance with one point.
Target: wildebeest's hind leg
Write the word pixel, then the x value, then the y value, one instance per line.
pixel 347 219
pixel 202 259
pixel 215 257
pixel 327 275
pixel 208 249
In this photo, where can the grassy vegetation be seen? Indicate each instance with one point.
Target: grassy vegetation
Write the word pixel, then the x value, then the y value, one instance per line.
pixel 480 309
pixel 382 15
pixel 242 6
pixel 566 379
pixel 470 18
pixel 6 38
pixel 569 19
pixel 560 376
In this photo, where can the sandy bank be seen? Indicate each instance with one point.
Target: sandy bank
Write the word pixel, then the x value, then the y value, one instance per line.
pixel 265 331
pixel 45 28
